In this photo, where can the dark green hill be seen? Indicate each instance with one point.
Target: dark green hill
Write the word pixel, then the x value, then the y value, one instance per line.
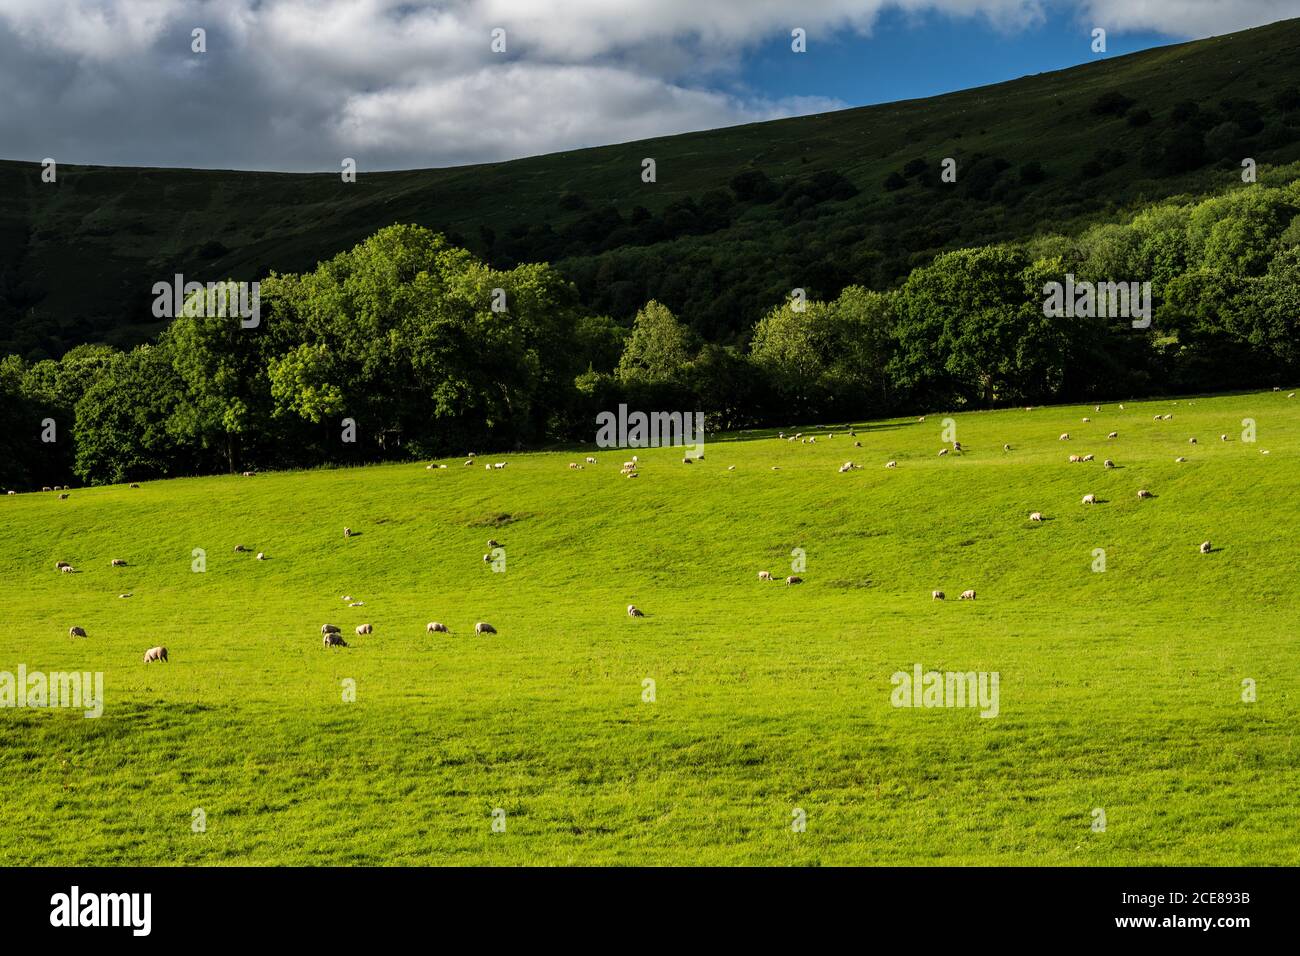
pixel 737 218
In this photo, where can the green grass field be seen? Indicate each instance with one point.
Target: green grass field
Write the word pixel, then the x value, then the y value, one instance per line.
pixel 1119 690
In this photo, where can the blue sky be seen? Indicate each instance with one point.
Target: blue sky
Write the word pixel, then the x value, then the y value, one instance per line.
pixel 911 56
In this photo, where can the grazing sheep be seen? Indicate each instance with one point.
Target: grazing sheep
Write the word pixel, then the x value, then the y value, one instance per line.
pixel 76 632
pixel 240 549
pixel 574 465
pixel 1087 420
pixel 1035 516
pixel 765 575
pixel 1121 407
pixel 1143 493
pixel 493 543
pixel 634 611
pixel 1065 436
pixel 731 468
pixel 1113 435
pixel 11 492
pixel 357 604
pixel 891 464
pixel 1089 458
pixel 365 629
pixel 857 444
pixel 333 640
pixel 468 462
pixel 329 629
pixel 124 595
pixel 629 465
pixel 1089 499
pixel 134 485
pixel 487 558
pixel 1180 459
pixel 1075 458
pixel 1108 463
pixel 942 452
pixel 1191 441
pixel 794 579
pixel 117 563
pixel 249 474
pixel 687 460
pixel 156 654
pixel 501 464
pixel 590 460
pixel 1223 438
pixel 968 595
pixel 434 627
pixel 347 532
pixel 482 627
pixel 61 565
pixel 472 455
pixel 45 488
pixel 1169 417
pixel 1006 447
pixel 1156 418
pixel 936 595
pixel 68 569
pixel 261 555
pixel 1205 547
pixel 776 467
pixel 487 466
pixel 63 497
pixel 956 446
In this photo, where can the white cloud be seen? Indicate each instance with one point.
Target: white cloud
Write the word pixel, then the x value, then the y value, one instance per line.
pixel 1188 18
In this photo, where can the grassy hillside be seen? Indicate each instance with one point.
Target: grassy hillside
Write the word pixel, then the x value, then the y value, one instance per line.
pixel 1119 690
pixel 78 260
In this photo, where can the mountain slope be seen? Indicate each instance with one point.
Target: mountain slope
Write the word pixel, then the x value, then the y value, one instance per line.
pixel 78 258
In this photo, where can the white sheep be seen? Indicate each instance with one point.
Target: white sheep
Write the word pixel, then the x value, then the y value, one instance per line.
pixel 1089 499
pixel 968 595
pixel 156 654
pixel 1035 516
pixel 482 627
pixel 436 627
pixel 936 595
pixel 634 611
pixel 765 575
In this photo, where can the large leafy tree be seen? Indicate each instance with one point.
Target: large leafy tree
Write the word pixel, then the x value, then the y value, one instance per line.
pixel 123 430
pixel 657 349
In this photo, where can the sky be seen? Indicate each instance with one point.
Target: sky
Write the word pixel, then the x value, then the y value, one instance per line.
pixel 297 85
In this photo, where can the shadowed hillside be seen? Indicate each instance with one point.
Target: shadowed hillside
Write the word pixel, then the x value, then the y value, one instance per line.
pixel 737 217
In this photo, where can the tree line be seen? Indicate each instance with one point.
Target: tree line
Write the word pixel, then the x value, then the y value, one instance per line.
pixel 414 348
